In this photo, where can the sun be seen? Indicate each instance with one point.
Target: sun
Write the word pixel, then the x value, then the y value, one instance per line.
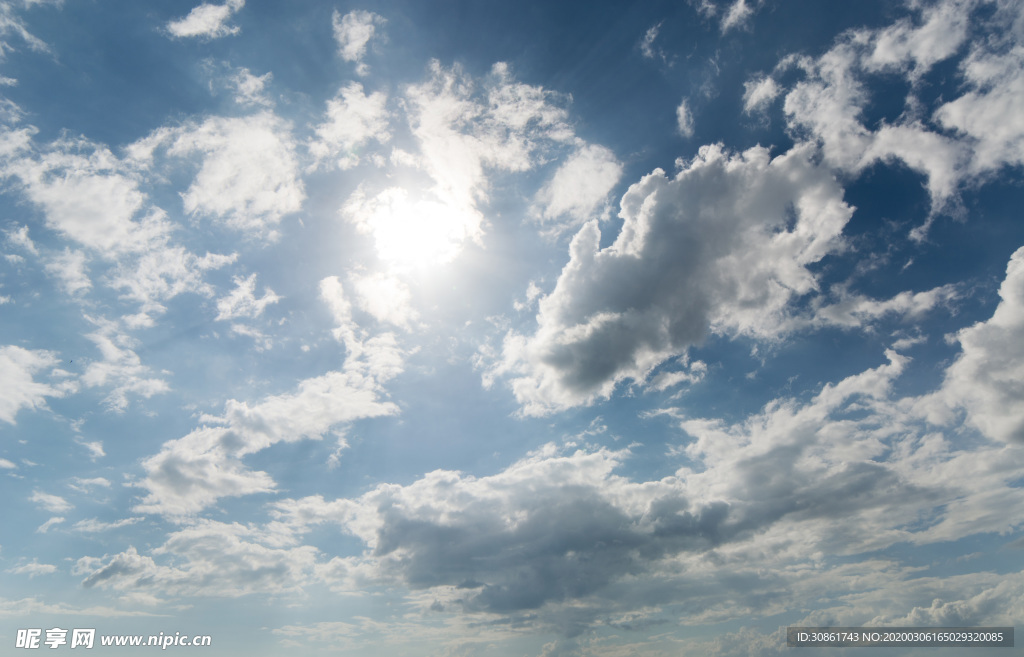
pixel 413 234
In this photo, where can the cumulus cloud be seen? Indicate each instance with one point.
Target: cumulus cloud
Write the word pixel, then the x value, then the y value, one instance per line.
pixel 580 186
pixel 242 301
pixel 18 387
pixel 674 273
pixel 760 513
pixel 209 558
pixel 352 119
pixel 193 472
pixel 987 114
pixel 121 369
pixel 550 528
pixel 19 237
pixel 249 88
pixel 759 93
pixel 747 526
pixel 376 357
pixel 353 32
pixel 90 197
pixel 95 199
pixel 981 129
pixel 988 377
pixel 161 274
pixel 70 269
pixel 385 297
pixel 206 20
pixel 914 48
pixel 827 106
pixel 850 310
pixel 249 174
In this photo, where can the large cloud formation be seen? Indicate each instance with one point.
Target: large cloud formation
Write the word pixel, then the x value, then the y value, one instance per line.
pixel 725 245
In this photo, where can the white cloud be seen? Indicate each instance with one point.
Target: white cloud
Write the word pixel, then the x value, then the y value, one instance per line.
pixel 242 301
pixel 28 606
pixel 988 377
pixel 684 119
pixel 479 543
pixel 86 485
pixel 94 199
pixel 19 238
pixel 647 43
pixel 249 174
pixel 989 115
pixel 95 448
pixel 18 387
pixel 465 131
pixel 983 130
pixel 45 527
pixel 210 558
pixel 855 446
pixel 12 25
pixel 766 511
pixel 90 197
pixel 376 357
pixel 121 368
pixel 828 106
pixel 353 32
pixel 52 503
pixel 69 268
pixel 33 568
pixel 160 274
pixel 7 465
pixel 385 297
pixel 737 15
pixel 649 50
pixel 352 119
pixel 193 472
pixel 580 185
pixel 260 340
pixel 207 20
pixel 249 88
pixel 95 525
pixel 914 48
pixel 759 93
pixel 724 246
pixel 856 310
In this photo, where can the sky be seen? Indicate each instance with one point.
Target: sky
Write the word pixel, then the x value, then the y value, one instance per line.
pixel 510 328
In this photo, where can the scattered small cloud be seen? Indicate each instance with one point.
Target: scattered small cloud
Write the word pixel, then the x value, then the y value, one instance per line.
pixel 207 21
pixel 353 33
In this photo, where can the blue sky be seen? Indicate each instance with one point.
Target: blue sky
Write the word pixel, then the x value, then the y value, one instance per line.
pixel 510 328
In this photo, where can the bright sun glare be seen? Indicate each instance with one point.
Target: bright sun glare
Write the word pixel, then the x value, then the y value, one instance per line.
pixel 414 234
